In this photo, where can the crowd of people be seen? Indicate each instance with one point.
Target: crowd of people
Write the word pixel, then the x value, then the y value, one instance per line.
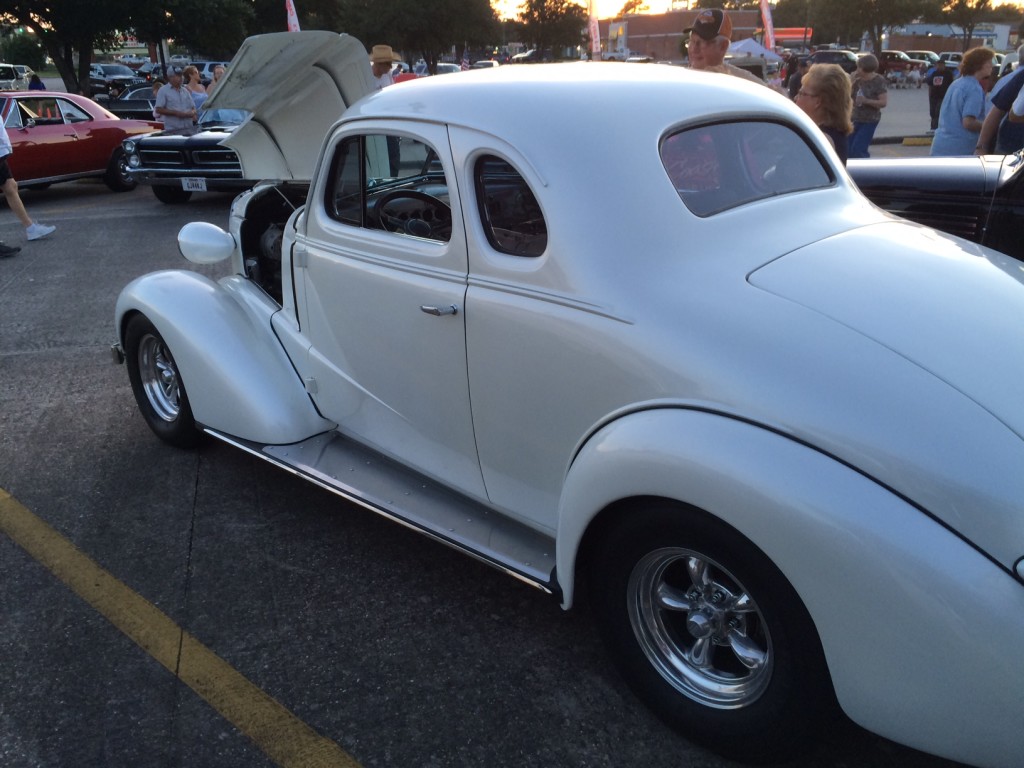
pixel 970 111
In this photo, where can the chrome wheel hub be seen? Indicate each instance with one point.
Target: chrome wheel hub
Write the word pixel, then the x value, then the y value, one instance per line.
pixel 700 628
pixel 159 377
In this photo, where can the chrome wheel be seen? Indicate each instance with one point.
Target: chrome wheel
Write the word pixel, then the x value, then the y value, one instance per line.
pixel 159 378
pixel 699 628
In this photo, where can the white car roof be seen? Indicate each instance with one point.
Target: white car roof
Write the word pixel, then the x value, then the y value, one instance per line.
pixel 298 84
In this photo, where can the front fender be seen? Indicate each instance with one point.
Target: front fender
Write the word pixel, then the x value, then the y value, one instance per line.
pixel 238 378
pixel 893 594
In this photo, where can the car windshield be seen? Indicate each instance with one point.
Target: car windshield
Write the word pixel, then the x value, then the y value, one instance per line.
pixel 211 117
pixel 142 92
pixel 116 69
pixel 725 165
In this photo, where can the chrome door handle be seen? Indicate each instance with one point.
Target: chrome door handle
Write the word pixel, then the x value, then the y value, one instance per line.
pixel 451 309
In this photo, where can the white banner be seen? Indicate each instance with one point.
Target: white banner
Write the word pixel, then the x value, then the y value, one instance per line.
pixel 293 19
pixel 769 28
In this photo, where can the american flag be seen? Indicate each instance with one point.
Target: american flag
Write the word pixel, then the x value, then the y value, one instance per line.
pixel 465 60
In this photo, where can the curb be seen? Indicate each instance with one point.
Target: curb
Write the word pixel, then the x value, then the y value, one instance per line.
pixel 907 141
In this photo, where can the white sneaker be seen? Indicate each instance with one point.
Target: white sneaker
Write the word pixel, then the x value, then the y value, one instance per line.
pixel 37 231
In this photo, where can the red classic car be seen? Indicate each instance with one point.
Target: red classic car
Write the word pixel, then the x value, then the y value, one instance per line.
pixel 62 137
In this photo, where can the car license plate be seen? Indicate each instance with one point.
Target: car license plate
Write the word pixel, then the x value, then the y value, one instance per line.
pixel 190 184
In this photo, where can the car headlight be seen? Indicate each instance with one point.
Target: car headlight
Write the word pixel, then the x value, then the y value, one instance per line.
pixel 129 146
pixel 134 161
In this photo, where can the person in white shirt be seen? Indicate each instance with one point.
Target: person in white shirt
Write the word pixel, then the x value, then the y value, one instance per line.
pixel 174 104
pixel 33 230
pixel 382 61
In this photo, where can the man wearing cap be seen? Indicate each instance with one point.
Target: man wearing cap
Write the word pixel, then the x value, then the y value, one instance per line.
pixel 174 105
pixel 709 41
pixel 382 60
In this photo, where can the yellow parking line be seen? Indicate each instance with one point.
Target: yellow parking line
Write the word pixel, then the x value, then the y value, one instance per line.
pixel 285 739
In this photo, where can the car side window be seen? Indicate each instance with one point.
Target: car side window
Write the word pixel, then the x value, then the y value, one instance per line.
pixel 13 119
pixel 72 112
pixel 43 110
pixel 511 217
pixel 393 183
pixel 721 166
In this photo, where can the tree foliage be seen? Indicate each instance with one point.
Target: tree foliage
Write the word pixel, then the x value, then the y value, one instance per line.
pixel 967 14
pixel 416 27
pixel 633 6
pixel 69 30
pixel 549 25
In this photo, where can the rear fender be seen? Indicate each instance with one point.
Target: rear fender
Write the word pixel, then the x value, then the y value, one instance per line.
pixel 238 378
pixel 876 573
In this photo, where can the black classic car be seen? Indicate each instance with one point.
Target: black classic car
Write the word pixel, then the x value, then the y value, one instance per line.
pixel 977 198
pixel 135 102
pixel 179 162
pixel 104 77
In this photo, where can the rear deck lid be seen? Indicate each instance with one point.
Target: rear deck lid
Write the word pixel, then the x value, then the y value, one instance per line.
pixel 296 85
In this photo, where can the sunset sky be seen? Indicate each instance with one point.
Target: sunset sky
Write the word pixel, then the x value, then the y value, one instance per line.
pixel 606 8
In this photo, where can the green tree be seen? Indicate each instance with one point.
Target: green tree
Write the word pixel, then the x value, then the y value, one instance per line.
pixel 967 14
pixel 553 24
pixel 418 28
pixel 69 30
pixel 633 6
pixel 23 48
pixel 213 28
pixel 852 18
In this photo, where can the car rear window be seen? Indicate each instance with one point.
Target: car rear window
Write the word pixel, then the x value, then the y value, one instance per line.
pixel 724 165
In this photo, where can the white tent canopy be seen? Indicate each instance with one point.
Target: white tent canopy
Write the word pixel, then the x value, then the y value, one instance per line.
pixel 751 47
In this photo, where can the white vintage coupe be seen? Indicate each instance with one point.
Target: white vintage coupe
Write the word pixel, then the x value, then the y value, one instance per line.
pixel 632 327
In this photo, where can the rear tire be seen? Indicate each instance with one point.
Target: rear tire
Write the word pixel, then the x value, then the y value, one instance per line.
pixel 157 385
pixel 709 634
pixel 117 177
pixel 171 195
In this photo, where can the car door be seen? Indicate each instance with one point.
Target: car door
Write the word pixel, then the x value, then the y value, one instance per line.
pixel 380 283
pixel 44 145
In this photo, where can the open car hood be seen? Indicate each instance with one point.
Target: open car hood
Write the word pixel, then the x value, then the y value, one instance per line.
pixel 296 85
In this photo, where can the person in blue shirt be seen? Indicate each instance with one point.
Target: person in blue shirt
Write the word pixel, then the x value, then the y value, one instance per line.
pixel 963 108
pixel 999 134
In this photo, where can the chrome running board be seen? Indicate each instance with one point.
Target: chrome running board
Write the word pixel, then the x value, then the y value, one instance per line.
pixel 384 486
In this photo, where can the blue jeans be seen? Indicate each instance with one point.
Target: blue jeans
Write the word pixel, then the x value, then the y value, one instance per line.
pixel 861 137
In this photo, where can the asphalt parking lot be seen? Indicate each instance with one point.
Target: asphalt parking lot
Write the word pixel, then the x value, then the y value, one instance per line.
pixel 165 608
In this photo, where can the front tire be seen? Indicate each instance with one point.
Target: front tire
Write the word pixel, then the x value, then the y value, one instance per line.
pixel 171 195
pixel 117 177
pixel 157 385
pixel 709 634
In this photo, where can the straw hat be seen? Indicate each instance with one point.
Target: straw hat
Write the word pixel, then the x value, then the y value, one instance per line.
pixel 382 54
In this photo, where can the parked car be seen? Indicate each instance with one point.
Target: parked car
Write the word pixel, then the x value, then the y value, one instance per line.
pixel 1009 64
pixel 178 162
pixel 978 198
pixel 151 71
pixel 845 59
pixel 24 73
pixel 9 79
pixel 929 57
pixel 485 64
pixel 446 68
pixel 899 63
pixel 136 102
pixel 104 77
pixel 133 60
pixel 62 137
pixel 783 451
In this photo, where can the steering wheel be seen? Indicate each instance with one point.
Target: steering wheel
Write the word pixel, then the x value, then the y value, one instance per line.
pixel 410 212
